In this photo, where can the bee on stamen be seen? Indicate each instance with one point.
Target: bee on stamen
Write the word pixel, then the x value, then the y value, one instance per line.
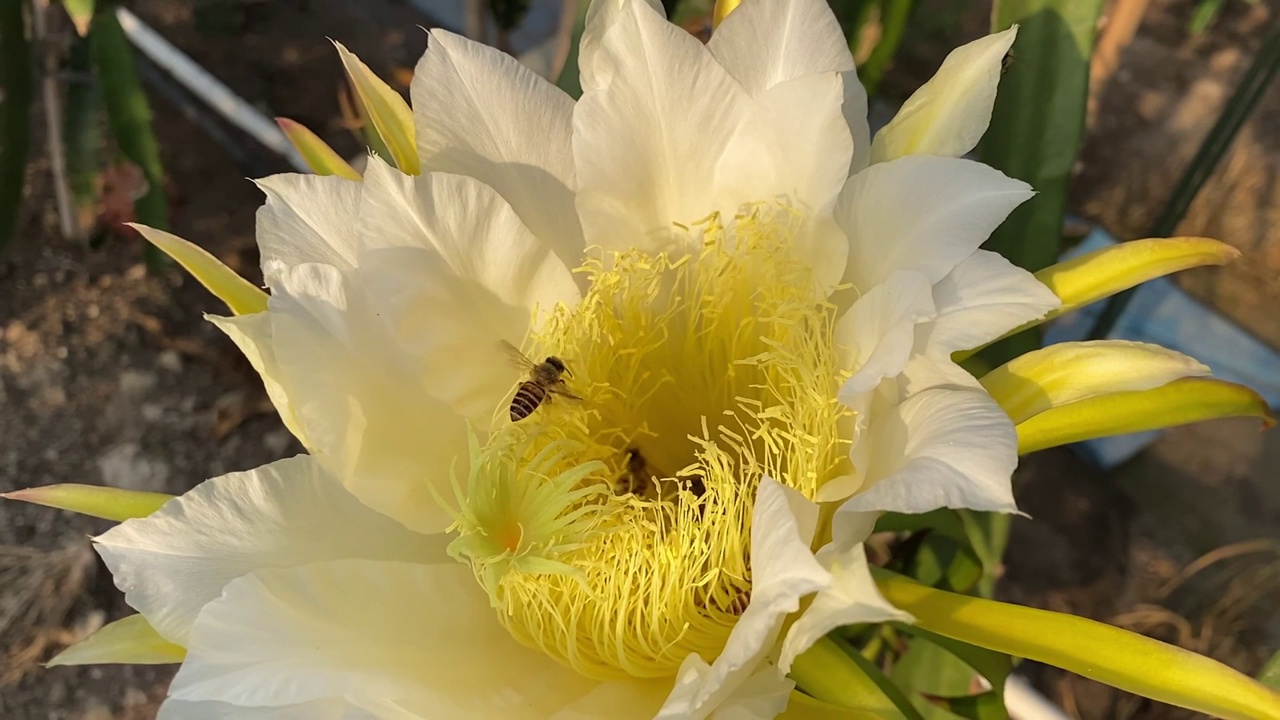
pixel 635 479
pixel 544 380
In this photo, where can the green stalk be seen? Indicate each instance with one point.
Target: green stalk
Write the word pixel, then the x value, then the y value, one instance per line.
pixel 129 117
pixel 17 92
pixel 830 674
pixel 1252 86
pixel 83 136
pixel 1095 650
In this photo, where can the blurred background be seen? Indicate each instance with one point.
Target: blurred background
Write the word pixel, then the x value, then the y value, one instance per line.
pixel 1133 117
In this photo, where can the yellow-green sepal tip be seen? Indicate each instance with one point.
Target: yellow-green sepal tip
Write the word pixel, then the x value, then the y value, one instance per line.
pixel 240 295
pixel 131 640
pixel 1105 272
pixel 1178 403
pixel 1102 273
pixel 1068 372
pixel 107 503
pixel 322 159
pixel 386 111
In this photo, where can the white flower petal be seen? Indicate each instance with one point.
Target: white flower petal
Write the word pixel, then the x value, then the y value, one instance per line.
pixel 852 597
pixel 928 371
pixel 420 636
pixel 479 112
pixel 618 700
pixel 879 331
pixel 364 416
pixel 984 297
pixel 921 213
pixel 470 226
pixel 593 60
pixel 212 710
pixel 763 696
pixel 950 113
pixel 473 277
pixel 651 126
pixel 449 326
pixel 783 570
pixel 174 561
pixel 856 108
pixel 307 219
pixel 943 447
pixel 794 143
pixel 766 42
pixel 252 334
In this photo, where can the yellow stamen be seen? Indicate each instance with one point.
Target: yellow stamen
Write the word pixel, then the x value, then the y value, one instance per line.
pixel 701 373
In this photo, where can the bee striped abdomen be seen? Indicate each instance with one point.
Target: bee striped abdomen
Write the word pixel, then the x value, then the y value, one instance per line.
pixel 527 399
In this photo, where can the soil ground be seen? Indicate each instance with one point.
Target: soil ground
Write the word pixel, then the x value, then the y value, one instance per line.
pixel 109 375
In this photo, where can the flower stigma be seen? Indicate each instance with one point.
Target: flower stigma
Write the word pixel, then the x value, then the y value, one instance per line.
pixel 613 533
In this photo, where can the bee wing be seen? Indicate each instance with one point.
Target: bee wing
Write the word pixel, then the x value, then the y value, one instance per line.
pixel 517 358
pixel 562 391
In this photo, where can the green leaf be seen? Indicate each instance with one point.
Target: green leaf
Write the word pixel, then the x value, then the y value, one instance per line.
pixel 1097 651
pixel 983 535
pixel 17 93
pixel 994 666
pixel 1270 675
pixel 929 669
pixel 944 521
pixel 129 117
pixel 1206 12
pixel 983 706
pixel 885 685
pixel 1038 119
pixel 940 561
pixel 569 80
pixel 988 534
pixel 1036 128
pixel 942 671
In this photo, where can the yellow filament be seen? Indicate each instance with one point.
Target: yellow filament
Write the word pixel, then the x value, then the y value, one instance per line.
pixel 703 372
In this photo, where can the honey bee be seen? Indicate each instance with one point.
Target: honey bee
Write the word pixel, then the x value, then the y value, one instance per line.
pixel 634 480
pixel 545 379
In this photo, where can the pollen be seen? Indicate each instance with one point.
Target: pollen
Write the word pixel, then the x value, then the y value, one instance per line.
pixel 612 532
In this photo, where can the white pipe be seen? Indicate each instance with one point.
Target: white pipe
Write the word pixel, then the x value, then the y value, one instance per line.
pixel 208 88
pixel 1025 703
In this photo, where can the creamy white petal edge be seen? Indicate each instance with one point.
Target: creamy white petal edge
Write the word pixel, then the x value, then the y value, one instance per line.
pixel 951 112
pixel 783 570
pixel 480 113
pixel 422 638
pixel 353 351
pixel 173 562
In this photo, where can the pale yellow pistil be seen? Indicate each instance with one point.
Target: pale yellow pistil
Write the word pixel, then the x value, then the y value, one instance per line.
pixel 613 533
